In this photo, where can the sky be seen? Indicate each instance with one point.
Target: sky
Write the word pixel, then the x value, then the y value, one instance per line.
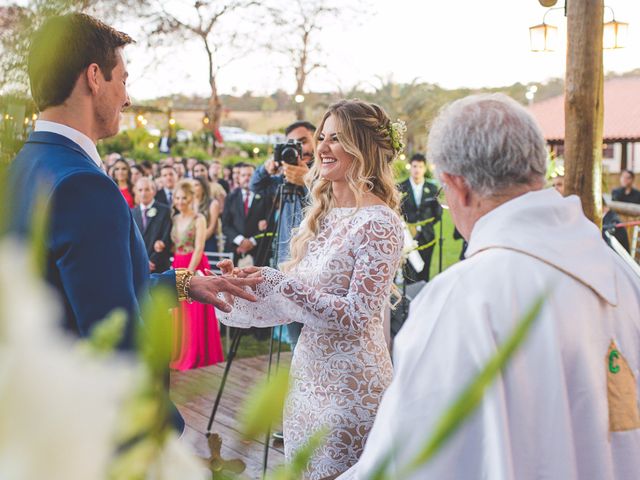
pixel 453 43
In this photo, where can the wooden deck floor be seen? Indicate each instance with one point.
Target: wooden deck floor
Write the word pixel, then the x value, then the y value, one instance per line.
pixel 194 392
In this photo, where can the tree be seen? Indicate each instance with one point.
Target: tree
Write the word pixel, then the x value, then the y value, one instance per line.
pixel 299 23
pixel 204 22
pixel 18 20
pixel 415 103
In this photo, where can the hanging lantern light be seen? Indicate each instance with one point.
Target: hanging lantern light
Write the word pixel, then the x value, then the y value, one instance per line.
pixel 543 37
pixel 614 35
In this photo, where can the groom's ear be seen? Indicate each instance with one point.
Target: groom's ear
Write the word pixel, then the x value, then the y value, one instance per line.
pixel 93 75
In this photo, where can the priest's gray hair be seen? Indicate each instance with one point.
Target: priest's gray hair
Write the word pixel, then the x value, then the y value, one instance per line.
pixel 490 140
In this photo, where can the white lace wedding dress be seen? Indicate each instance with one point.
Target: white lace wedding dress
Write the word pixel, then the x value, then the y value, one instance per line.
pixel 341 364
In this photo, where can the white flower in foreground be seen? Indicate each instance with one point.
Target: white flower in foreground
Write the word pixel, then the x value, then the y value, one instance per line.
pixel 176 461
pixel 59 405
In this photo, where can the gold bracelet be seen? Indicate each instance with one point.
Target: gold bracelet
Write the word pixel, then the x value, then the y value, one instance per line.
pixel 187 288
pixel 183 284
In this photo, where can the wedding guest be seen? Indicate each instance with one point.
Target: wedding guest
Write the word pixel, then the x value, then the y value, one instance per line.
pixel 216 192
pixel 626 192
pixel 419 205
pixel 155 170
pixel 189 163
pixel 244 217
pixel 338 282
pixel 235 173
pixel 215 170
pixel 147 167
pixel 566 404
pixel 557 182
pixel 166 142
pixel 136 174
pixel 210 209
pixel 197 340
pixel 227 175
pixel 110 160
pixel 121 174
pixel 169 179
pixel 180 169
pixel 200 169
pixel 154 222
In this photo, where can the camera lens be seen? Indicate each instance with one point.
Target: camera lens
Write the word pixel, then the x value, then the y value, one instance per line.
pixel 290 155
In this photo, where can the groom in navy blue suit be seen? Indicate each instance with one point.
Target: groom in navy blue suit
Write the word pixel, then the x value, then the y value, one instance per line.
pixel 96 257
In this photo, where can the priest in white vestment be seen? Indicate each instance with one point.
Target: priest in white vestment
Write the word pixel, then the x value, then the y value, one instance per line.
pixel 566 406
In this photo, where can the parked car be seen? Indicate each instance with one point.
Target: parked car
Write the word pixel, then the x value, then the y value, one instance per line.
pixel 184 136
pixel 239 135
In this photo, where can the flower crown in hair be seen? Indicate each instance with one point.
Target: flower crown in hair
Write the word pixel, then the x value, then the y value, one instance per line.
pixel 396 131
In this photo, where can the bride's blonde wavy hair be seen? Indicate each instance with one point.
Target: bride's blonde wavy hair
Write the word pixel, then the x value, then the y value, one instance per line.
pixel 363 131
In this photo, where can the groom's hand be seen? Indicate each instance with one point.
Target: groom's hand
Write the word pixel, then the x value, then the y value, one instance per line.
pixel 206 289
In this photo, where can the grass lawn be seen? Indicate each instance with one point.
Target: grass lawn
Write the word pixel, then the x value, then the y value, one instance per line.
pixel 450 248
pixel 251 347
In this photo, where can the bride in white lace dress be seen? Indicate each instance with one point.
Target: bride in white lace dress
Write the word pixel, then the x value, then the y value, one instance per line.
pixel 337 283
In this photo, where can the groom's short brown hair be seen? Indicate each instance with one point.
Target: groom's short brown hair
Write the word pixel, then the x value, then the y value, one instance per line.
pixel 63 48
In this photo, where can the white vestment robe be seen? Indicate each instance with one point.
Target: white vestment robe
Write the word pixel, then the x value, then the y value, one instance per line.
pixel 547 416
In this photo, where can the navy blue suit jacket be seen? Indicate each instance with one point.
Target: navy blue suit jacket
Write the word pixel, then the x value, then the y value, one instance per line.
pixel 96 257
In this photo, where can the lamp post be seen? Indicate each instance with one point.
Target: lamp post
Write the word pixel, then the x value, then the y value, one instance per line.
pixel 587 36
pixel 583 105
pixel 531 93
pixel 544 37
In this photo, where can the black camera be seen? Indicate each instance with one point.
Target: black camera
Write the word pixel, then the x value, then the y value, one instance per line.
pixel 288 153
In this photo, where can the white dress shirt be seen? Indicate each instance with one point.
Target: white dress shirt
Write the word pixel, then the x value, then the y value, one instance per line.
pixel 239 238
pixel 417 190
pixel 72 134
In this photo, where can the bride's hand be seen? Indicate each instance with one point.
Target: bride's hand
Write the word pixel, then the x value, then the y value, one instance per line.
pixel 226 267
pixel 248 272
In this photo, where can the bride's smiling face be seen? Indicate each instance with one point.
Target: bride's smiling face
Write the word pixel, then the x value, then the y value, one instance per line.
pixel 335 161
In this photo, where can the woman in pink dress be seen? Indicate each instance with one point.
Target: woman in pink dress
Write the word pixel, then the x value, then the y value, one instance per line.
pixel 197 340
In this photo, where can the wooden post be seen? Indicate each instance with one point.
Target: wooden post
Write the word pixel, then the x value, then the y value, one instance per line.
pixel 624 158
pixel 584 109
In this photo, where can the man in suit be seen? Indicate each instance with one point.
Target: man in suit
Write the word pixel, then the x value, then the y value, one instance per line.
pixel 169 178
pixel 95 256
pixel 244 217
pixel 154 221
pixel 166 142
pixel 421 211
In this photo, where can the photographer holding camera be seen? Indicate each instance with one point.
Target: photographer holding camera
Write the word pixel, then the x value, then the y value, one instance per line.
pixel 288 167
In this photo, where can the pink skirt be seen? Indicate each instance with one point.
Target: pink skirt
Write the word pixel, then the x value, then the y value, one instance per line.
pixel 196 331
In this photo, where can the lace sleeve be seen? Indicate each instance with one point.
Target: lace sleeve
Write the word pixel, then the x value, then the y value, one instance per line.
pixel 284 298
pixel 269 310
pixel 376 260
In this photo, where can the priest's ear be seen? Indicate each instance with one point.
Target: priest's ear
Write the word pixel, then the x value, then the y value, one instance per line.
pixel 456 189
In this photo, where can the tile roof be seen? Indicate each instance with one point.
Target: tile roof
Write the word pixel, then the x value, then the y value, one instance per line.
pixel 621 112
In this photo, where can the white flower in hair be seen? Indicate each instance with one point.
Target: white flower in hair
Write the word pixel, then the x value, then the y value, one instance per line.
pixel 397 130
